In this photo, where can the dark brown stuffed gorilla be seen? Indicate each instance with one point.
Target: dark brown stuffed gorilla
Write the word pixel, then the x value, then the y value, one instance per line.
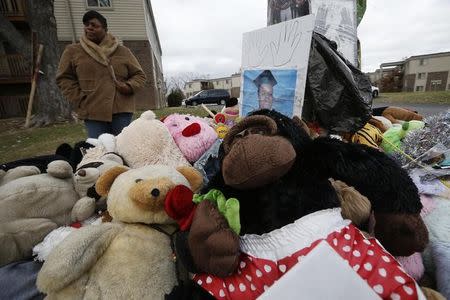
pixel 279 174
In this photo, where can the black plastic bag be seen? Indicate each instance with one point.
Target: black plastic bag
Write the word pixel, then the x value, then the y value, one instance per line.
pixel 338 96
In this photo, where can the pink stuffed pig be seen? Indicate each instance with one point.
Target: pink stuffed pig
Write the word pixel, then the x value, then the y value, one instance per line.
pixel 193 135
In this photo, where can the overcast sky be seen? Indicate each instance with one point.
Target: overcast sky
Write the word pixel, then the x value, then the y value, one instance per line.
pixel 205 36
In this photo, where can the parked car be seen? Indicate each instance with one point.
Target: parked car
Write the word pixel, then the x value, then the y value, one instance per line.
pixel 208 97
pixel 375 91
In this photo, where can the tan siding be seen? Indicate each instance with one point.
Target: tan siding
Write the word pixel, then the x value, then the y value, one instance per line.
pixel 151 33
pixel 431 65
pixel 434 64
pixel 126 19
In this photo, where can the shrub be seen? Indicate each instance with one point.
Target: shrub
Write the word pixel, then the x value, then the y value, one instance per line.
pixel 175 97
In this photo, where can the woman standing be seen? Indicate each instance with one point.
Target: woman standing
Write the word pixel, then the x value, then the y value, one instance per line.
pixel 99 77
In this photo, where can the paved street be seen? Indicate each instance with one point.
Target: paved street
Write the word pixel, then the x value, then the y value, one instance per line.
pixel 424 109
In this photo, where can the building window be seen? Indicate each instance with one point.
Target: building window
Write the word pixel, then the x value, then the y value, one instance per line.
pixel 419 88
pixel 422 62
pixel 436 82
pixel 98 3
pixel 217 83
pixel 421 75
pixel 448 87
pixel 227 81
pixel 190 85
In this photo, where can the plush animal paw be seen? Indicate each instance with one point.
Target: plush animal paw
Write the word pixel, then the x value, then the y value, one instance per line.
pixel 228 208
pixel 355 206
pixel 60 169
pixel 18 172
pixel 214 246
pixel 401 234
pixel 106 141
pixel 18 238
pixel 83 209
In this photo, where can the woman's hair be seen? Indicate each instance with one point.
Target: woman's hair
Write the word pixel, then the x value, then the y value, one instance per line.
pixel 92 14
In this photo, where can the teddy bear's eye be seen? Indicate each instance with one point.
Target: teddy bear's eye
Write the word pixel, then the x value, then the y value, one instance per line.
pixel 138 180
pixel 187 118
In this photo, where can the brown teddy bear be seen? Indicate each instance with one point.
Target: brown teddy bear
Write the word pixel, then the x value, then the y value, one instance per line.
pixel 397 114
pixel 130 258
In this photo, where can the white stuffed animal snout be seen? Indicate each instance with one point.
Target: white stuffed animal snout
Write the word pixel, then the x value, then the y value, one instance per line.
pixel 85 178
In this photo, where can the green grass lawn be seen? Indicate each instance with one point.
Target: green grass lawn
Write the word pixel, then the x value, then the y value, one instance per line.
pixel 17 142
pixel 428 97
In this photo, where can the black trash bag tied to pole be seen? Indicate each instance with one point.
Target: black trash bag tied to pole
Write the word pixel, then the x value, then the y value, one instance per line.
pixel 338 96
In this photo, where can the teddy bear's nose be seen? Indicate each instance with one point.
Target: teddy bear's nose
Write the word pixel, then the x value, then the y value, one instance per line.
pixel 82 173
pixel 155 192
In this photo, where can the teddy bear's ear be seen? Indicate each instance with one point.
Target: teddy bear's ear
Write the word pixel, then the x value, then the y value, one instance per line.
pixel 104 182
pixel 193 176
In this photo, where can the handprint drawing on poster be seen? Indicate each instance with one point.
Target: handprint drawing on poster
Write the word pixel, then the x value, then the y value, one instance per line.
pixel 321 19
pixel 257 47
pixel 288 41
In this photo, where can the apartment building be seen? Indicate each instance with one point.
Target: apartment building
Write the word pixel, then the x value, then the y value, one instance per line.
pixel 420 73
pixel 232 84
pixel 429 72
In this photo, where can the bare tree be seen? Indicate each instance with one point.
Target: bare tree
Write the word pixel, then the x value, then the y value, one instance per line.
pixel 51 105
pixel 178 81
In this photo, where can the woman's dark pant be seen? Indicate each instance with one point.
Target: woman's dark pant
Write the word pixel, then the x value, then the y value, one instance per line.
pixel 119 121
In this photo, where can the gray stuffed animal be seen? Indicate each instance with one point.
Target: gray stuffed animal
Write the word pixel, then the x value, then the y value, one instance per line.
pixel 33 205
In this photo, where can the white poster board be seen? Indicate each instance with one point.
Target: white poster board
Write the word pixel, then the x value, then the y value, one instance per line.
pixel 274 66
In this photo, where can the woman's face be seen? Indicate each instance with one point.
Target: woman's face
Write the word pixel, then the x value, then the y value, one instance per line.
pixel 94 31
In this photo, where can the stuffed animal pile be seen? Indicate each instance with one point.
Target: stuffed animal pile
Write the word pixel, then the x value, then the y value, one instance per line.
pixel 290 214
pixel 282 212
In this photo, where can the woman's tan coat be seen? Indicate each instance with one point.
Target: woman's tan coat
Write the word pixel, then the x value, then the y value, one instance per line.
pixel 90 87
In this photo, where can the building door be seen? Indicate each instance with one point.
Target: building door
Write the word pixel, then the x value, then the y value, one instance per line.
pixel 410 81
pixel 437 81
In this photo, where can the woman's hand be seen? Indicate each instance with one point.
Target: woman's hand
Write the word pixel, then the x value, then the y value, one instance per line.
pixel 123 87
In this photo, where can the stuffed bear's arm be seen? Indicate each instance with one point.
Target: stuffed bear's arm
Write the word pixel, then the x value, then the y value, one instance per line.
pixel 211 246
pixel 75 255
pixel 18 237
pixel 19 172
pixel 371 172
pixel 83 209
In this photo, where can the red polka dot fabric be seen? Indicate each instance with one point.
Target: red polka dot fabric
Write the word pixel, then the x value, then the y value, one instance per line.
pixel 366 256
